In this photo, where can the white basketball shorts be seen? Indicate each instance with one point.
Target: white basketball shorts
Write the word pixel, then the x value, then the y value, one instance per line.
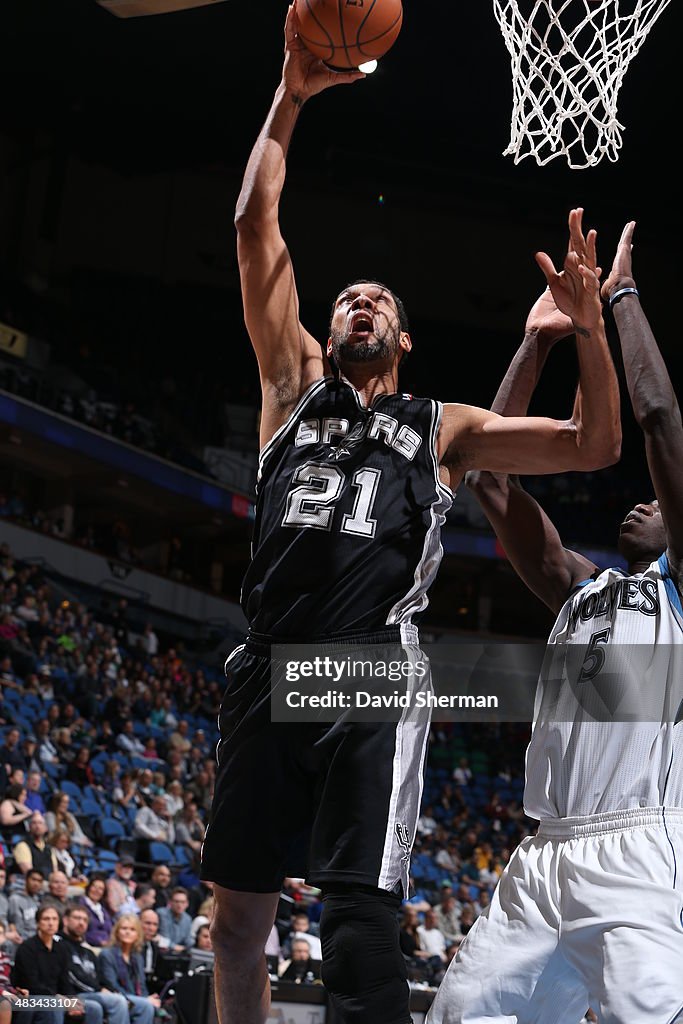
pixel 588 912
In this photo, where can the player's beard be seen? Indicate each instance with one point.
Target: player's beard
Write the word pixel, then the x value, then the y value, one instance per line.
pixel 378 347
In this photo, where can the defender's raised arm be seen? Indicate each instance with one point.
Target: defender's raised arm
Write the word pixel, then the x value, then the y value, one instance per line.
pixel 529 537
pixel 473 438
pixel 654 401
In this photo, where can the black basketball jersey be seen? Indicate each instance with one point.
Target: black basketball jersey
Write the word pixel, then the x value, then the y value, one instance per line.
pixel 349 511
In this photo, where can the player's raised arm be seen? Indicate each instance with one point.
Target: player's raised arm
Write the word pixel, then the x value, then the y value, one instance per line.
pixel 473 438
pixel 289 357
pixel 528 536
pixel 654 401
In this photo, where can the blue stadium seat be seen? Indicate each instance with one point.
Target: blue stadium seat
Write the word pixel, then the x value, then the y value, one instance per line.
pixel 106 859
pixel 112 830
pixel 72 789
pixel 92 808
pixel 161 853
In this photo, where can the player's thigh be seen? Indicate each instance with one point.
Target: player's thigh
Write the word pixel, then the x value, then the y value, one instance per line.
pixel 509 969
pixel 370 788
pixel 262 803
pixel 623 907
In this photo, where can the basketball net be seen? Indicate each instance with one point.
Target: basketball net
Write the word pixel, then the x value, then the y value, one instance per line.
pixel 569 58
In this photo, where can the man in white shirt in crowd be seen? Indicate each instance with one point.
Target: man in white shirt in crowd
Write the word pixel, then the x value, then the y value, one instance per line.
pixel 432 940
pixel 154 822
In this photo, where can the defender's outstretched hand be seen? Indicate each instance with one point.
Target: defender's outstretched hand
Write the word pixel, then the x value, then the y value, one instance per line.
pixel 576 288
pixel 303 73
pixel 621 274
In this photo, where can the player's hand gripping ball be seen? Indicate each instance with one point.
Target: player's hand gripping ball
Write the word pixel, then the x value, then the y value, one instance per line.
pixel 347 33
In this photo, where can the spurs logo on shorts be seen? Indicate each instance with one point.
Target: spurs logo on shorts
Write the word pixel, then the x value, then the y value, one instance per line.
pixel 403 837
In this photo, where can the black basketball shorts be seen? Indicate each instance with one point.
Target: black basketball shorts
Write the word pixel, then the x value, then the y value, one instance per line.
pixel 325 801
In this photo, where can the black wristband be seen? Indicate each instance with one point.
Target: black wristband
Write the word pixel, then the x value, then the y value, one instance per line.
pixel 616 296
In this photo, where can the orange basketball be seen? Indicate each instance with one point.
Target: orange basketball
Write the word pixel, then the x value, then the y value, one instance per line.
pixel 347 33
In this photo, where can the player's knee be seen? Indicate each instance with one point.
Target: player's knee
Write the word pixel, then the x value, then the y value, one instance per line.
pixel 236 938
pixel 363 968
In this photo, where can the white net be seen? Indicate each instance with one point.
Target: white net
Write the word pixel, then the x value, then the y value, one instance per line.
pixel 568 61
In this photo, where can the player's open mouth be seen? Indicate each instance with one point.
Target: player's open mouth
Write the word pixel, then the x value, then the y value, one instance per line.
pixel 361 324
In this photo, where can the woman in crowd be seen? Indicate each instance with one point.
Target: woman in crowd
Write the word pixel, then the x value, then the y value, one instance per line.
pixel 123 969
pixel 60 843
pixel 203 917
pixel 101 921
pixel 126 793
pixel 13 812
pixel 419 959
pixel 58 817
pixel 80 770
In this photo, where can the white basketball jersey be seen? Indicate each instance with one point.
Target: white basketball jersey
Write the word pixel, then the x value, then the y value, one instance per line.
pixel 607 732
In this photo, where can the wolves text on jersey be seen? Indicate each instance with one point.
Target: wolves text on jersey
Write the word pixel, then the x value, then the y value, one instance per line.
pixel 635 595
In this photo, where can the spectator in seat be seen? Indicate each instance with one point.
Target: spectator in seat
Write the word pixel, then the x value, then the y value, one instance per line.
pixel 153 948
pixel 301 929
pixel 447 918
pixel 448 858
pixel 80 771
pixel 4 898
pixel 174 921
pixel 147 788
pixel 8 992
pixel 161 879
pixel 431 938
pixel 23 906
pixel 154 823
pixel 145 896
pixel 467 919
pixel 47 749
pixel 12 938
pixel 14 811
pixel 123 969
pixel 201 788
pixel 462 774
pixel 42 967
pixel 174 797
pixel 63 741
pixel 100 919
pixel 203 939
pixel 149 641
pixel 59 842
pixel 29 747
pixel 205 914
pixel 57 892
pixel 34 799
pixel 34 851
pixel 126 792
pixel 120 887
pixel 180 739
pixel 189 829
pixel 300 963
pixel 84 969
pixel 128 742
pixel 11 754
pixel 59 818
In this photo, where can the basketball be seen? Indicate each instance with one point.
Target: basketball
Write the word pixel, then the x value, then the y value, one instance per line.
pixel 347 33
